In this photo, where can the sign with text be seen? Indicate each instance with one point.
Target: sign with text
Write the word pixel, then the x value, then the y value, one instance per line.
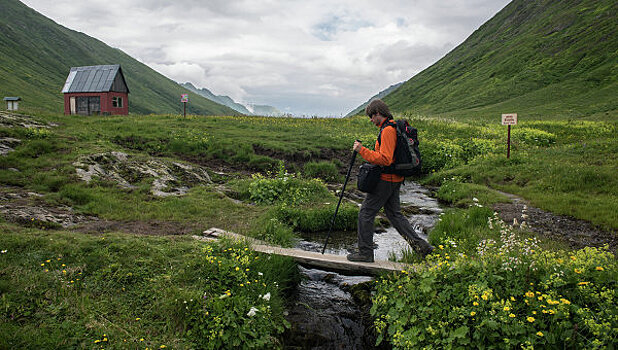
pixel 509 119
pixel 184 98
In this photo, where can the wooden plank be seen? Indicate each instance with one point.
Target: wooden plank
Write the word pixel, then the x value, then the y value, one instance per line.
pixel 314 259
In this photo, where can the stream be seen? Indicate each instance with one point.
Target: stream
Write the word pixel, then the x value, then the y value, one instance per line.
pixel 325 315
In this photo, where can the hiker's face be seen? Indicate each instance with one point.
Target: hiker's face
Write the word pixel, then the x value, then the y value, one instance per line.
pixel 377 119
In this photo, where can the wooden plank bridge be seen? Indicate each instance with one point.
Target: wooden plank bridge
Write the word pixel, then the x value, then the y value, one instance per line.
pixel 307 258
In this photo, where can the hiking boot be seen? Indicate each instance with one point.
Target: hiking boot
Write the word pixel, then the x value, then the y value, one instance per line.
pixel 358 257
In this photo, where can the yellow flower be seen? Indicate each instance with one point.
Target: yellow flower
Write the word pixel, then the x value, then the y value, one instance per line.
pixel 141 339
pixel 578 271
pixel 506 308
pixel 162 347
pixel 42 264
pixel 237 268
pixel 50 261
pixel 534 312
pixel 441 246
pixel 472 313
pixel 512 299
pixel 539 333
pixel 512 315
pixel 530 319
pixel 583 283
pixel 475 303
pixel 97 341
pixel 484 296
pixel 572 258
pixel 530 294
pixel 599 268
pixel 137 318
pixel 565 301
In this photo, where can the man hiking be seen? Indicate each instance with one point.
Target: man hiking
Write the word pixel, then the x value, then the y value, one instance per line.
pixel 386 193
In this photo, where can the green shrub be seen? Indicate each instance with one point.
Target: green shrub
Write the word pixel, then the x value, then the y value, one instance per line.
pixel 508 294
pixel 319 218
pixel 439 154
pixel 324 170
pixel 533 137
pixel 285 188
pixel 274 231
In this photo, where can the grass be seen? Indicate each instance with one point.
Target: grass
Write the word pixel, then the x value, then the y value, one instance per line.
pixel 70 290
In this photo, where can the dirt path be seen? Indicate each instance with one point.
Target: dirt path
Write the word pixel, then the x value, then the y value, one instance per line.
pixel 576 233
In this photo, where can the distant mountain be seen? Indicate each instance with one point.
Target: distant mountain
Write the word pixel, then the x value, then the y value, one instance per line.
pixel 264 110
pixel 36 55
pixel 224 100
pixel 361 109
pixel 541 57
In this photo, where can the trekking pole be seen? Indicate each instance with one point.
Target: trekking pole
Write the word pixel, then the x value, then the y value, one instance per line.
pixel 347 177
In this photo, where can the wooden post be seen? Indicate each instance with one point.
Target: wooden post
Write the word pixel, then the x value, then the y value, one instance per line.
pixel 509 119
pixel 508 144
pixel 185 114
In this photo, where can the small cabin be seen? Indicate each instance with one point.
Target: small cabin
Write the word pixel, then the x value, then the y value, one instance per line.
pixel 94 90
pixel 12 103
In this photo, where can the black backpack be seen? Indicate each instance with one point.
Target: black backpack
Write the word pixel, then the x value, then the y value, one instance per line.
pixel 407 155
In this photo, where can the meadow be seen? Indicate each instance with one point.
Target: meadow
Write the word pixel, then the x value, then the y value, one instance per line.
pixel 269 180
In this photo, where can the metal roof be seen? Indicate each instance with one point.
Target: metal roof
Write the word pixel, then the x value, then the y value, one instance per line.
pixel 92 78
pixel 12 98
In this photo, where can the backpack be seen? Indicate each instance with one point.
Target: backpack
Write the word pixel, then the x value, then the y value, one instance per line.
pixel 407 155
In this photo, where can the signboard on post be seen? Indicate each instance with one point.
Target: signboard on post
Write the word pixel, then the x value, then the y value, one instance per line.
pixel 184 98
pixel 509 119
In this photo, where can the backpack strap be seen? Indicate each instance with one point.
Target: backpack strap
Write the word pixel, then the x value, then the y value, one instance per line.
pixel 389 122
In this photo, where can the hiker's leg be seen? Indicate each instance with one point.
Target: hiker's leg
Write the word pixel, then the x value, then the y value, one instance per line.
pixel 367 214
pixel 392 209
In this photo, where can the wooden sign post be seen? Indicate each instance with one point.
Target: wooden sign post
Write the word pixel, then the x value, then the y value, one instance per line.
pixel 184 98
pixel 509 119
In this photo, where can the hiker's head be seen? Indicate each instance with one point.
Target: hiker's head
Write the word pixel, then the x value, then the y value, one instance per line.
pixel 378 107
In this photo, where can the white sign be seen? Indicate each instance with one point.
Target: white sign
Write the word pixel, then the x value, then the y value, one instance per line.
pixel 509 119
pixel 184 98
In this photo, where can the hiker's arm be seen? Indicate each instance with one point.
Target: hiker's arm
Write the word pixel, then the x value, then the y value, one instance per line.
pixel 384 156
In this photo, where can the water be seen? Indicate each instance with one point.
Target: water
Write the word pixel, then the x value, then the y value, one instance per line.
pixel 325 314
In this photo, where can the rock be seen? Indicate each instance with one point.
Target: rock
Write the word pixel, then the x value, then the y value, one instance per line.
pixel 7 144
pixel 168 178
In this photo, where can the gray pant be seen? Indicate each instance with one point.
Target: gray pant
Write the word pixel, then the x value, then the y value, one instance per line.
pixel 385 195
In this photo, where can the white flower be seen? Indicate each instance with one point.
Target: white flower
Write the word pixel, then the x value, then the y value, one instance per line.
pixel 261 274
pixel 475 199
pixel 252 311
pixel 4 251
pixel 223 296
pixel 266 296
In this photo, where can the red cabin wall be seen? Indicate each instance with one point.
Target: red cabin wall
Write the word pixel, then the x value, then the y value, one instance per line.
pixel 106 102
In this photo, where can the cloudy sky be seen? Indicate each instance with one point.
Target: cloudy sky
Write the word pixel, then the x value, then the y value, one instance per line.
pixel 305 57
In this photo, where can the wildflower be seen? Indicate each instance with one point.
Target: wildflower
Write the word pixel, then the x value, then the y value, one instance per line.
pixel 534 312
pixel 252 311
pixel 578 271
pixel 137 318
pixel 583 283
pixel 530 319
pixel 42 264
pixel 441 246
pixel 474 199
pixel 512 315
pixel 530 294
pixel 565 301
pixel 162 347
pixel 141 339
pixel 97 341
pixel 539 333
pixel 512 299
pixel 506 308
pixel 472 313
pixel 475 303
pixel 572 257
pixel 484 296
pixel 47 260
pixel 237 268
pixel 4 251
pixel 260 274
pixel 599 268
pixel 266 296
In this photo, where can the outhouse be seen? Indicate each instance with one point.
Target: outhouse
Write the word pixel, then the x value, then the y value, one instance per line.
pixel 96 90
pixel 12 103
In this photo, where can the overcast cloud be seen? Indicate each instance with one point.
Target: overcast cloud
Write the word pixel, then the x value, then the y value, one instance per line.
pixel 311 57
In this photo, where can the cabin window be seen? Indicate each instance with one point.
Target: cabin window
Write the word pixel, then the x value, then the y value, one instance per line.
pixel 117 102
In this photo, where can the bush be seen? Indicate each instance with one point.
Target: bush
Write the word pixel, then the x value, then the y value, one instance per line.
pixel 285 188
pixel 534 137
pixel 319 219
pixel 509 294
pixel 324 170
pixel 440 154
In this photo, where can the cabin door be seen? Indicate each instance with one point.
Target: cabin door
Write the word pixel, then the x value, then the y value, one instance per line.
pixel 87 105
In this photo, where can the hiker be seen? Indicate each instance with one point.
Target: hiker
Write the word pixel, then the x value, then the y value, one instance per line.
pixel 386 193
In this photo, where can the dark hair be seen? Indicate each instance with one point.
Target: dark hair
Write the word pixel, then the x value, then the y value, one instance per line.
pixel 378 106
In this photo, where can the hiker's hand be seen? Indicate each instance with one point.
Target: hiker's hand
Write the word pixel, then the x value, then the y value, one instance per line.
pixel 357 146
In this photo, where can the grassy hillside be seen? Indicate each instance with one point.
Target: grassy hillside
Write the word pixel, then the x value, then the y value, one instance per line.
pixel 37 54
pixel 543 58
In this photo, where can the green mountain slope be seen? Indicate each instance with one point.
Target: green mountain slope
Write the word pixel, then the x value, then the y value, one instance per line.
pixel 37 53
pixel 542 58
pixel 361 109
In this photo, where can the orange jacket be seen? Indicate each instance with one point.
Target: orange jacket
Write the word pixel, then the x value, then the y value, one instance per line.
pixel 383 154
